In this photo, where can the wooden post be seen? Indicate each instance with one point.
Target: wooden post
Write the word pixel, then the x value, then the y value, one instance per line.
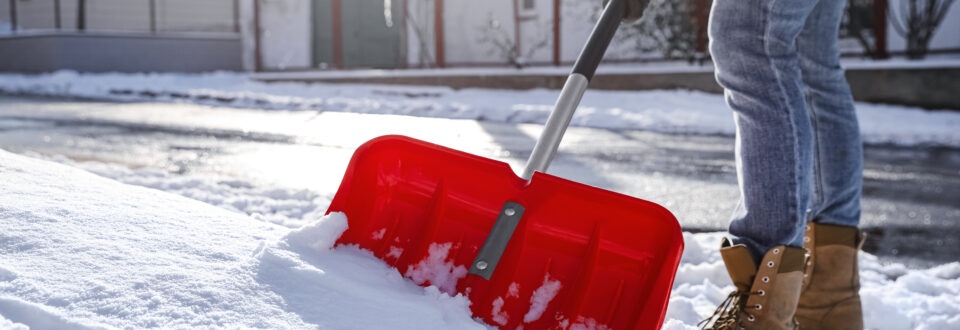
pixel 236 16
pixel 516 28
pixel 257 58
pixel 56 14
pixel 880 29
pixel 556 32
pixel 81 15
pixel 13 15
pixel 405 38
pixel 703 16
pixel 438 32
pixel 153 16
pixel 336 12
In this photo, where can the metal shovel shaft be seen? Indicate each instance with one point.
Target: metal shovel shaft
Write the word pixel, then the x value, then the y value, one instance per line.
pixel 573 89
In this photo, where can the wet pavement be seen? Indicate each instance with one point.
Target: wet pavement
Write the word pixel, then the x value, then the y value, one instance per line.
pixel 911 194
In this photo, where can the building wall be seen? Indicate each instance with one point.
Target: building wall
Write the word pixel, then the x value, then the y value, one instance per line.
pixel 126 15
pixel 472 29
pixel 420 42
pixel 285 34
pixel 105 52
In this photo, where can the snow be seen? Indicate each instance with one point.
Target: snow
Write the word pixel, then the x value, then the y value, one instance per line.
pixel 893 296
pixel 10 325
pixel 78 251
pixel 132 248
pixel 669 111
pixel 437 270
pixel 541 298
pixel 291 208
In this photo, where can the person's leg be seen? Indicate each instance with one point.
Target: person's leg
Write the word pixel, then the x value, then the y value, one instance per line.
pixel 830 297
pixel 753 45
pixel 838 153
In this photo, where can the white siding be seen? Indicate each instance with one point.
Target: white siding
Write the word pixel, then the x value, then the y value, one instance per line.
pixel 421 45
pixel 464 21
pixel 285 34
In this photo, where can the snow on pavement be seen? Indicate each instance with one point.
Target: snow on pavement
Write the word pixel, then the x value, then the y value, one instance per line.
pixel 670 111
pixel 82 251
pixel 291 208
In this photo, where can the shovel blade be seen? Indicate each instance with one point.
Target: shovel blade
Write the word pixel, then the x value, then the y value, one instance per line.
pixel 579 255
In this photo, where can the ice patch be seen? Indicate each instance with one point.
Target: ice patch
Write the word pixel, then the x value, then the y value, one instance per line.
pixel 320 235
pixel 541 298
pixel 499 315
pixel 436 270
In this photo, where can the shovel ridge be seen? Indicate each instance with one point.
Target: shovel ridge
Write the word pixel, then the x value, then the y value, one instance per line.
pixel 613 256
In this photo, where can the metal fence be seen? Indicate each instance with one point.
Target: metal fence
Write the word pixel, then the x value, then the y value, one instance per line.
pixel 145 16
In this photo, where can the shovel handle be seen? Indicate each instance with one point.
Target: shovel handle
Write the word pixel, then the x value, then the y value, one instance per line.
pixel 576 84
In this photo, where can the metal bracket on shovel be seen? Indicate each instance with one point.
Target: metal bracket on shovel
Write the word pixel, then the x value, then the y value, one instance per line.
pixel 497 240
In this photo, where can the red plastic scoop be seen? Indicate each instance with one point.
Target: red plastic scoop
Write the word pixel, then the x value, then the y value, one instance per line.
pixel 535 251
pixel 579 254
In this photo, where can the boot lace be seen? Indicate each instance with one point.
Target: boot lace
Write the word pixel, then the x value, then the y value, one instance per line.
pixel 727 315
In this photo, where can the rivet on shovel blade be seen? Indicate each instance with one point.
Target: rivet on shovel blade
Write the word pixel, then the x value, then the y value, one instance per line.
pixel 481 265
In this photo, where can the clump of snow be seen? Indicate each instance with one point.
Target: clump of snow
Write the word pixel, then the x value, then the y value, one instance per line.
pixel 500 316
pixel 378 235
pixel 541 298
pixel 395 252
pixel 437 270
pixel 668 111
pixel 320 235
pixel 513 290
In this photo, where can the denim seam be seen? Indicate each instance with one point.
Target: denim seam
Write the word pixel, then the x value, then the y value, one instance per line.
pixel 817 144
pixel 794 196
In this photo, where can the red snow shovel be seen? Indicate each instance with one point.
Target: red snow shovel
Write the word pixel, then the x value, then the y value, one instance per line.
pixel 534 251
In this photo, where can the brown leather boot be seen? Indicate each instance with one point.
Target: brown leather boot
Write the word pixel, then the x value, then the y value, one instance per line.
pixel 830 299
pixel 766 296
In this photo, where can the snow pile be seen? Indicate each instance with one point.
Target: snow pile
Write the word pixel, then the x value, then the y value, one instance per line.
pixel 674 111
pixel 79 251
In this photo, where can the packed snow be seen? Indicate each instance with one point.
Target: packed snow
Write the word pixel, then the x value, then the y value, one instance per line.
pixel 78 250
pixel 670 111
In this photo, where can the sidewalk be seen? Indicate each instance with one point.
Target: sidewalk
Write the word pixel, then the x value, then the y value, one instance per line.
pixel 929 84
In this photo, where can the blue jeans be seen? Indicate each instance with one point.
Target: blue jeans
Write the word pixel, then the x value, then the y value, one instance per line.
pixel 798 150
